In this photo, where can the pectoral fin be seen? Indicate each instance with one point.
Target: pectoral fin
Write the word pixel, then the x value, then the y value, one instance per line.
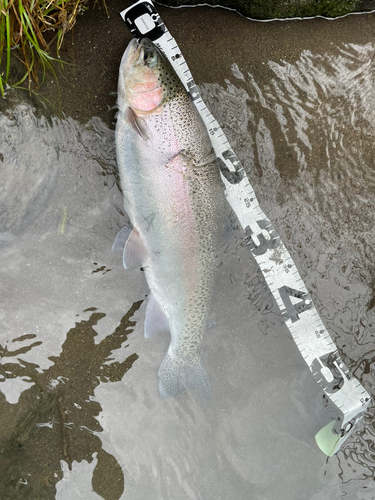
pixel 135 123
pixel 122 237
pixel 134 251
pixel 156 321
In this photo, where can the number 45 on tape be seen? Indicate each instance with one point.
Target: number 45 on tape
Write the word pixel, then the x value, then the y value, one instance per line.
pixel 312 338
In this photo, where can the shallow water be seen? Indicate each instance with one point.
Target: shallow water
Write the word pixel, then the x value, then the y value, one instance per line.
pixel 80 409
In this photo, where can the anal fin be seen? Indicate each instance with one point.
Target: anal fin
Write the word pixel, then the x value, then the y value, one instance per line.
pixel 156 320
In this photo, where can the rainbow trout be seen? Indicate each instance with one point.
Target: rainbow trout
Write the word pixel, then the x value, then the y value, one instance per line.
pixel 174 198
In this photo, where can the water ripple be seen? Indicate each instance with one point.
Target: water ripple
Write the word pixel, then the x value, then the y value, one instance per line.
pixel 310 157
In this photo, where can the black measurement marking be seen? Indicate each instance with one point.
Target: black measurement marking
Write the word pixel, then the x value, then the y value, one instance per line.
pixel 269 244
pixel 236 176
pixel 292 311
pixel 193 90
pixel 330 361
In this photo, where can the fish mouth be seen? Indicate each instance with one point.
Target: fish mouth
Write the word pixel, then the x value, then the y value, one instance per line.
pixel 135 51
pixel 129 54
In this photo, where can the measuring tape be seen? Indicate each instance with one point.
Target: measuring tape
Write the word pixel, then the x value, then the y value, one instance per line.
pixel 312 338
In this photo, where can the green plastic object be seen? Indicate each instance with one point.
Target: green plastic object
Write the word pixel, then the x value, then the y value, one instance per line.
pixel 327 440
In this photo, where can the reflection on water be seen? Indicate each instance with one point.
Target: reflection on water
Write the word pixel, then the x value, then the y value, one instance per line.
pixel 59 214
pixel 304 132
pixel 56 419
pixel 309 132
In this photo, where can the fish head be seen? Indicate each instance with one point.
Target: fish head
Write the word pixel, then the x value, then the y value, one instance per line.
pixel 146 79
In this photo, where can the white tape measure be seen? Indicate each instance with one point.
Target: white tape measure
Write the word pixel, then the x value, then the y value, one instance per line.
pixel 277 266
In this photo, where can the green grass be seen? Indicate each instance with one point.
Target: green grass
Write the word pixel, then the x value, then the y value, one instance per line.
pixel 25 27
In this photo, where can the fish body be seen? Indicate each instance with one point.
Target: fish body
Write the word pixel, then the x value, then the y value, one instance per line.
pixel 174 198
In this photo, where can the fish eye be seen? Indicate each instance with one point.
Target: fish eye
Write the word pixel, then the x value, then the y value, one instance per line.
pixel 149 57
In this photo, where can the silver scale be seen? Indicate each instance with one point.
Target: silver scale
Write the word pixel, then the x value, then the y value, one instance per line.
pixel 309 333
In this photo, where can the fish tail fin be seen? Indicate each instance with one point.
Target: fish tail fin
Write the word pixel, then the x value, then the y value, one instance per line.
pixel 176 376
